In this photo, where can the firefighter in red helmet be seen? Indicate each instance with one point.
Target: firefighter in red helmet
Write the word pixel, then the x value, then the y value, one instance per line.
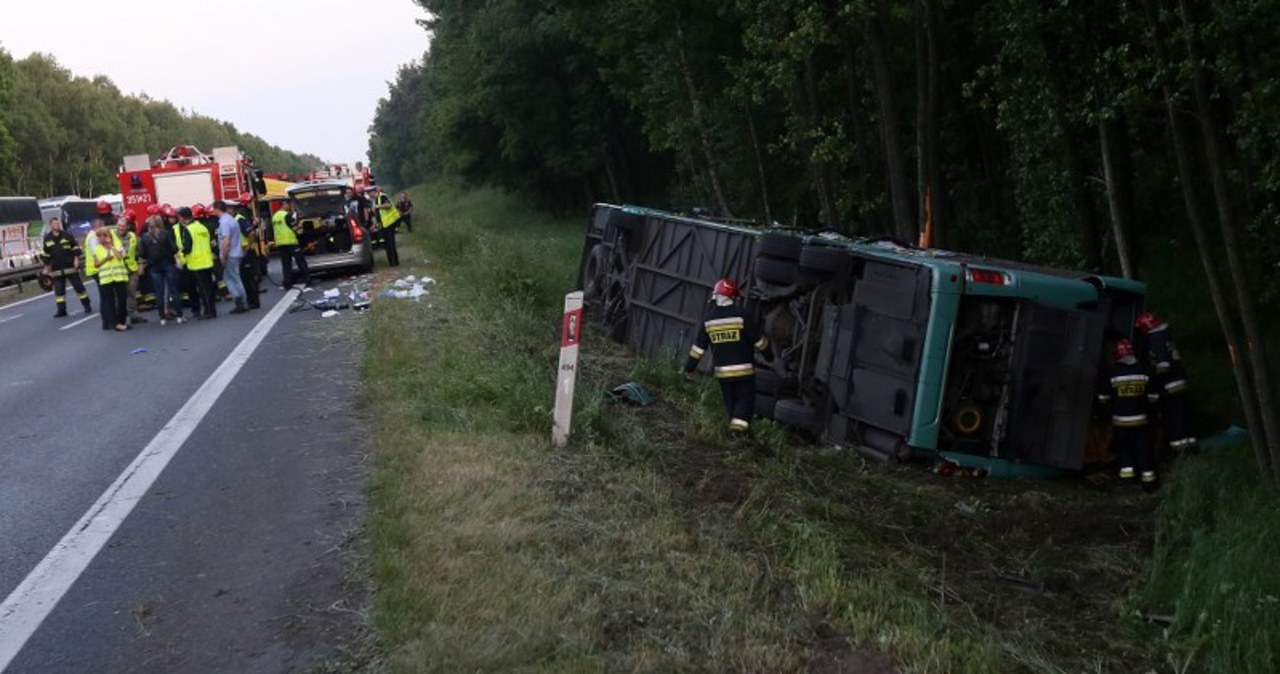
pixel 1170 380
pixel 733 339
pixel 1129 393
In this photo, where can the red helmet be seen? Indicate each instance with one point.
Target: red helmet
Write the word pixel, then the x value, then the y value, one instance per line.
pixel 197 211
pixel 128 215
pixel 1147 321
pixel 245 198
pixel 726 287
pixel 1122 349
pixel 167 211
pixel 103 208
pixel 153 209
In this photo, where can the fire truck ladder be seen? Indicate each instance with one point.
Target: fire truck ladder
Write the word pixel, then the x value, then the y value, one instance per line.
pixel 229 181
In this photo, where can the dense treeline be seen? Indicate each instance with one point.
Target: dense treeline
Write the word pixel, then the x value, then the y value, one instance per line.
pixel 61 134
pixel 1133 137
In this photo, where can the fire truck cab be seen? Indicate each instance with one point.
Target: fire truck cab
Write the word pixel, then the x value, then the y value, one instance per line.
pixel 183 176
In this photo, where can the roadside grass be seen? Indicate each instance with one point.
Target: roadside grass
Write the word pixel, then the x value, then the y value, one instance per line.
pixel 655 542
pixel 1215 569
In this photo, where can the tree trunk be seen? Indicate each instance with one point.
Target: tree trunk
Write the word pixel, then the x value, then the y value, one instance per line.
pixel 1119 216
pixel 928 166
pixel 895 166
pixel 1254 338
pixel 821 168
pixel 1085 222
pixel 759 156
pixel 863 157
pixel 700 126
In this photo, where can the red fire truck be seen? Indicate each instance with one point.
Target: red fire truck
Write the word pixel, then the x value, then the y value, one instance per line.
pixel 184 176
pixel 359 178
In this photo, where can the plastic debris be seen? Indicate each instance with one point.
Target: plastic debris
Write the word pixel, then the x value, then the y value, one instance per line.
pixel 332 293
pixel 633 393
pixel 329 314
pixel 138 351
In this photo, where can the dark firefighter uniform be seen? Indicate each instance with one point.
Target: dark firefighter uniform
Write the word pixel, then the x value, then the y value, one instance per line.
pixel 1171 382
pixel 1129 392
pixel 60 253
pixel 250 263
pixel 733 341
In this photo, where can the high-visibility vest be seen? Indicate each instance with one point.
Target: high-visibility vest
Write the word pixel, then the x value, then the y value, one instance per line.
pixel 179 233
pixel 280 227
pixel 245 244
pixel 201 256
pixel 131 252
pixel 108 268
pixel 388 214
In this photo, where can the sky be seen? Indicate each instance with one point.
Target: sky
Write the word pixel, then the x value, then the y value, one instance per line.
pixel 305 75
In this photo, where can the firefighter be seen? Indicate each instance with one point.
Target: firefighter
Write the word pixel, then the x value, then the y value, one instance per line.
pixel 129 240
pixel 104 258
pixel 388 220
pixel 1170 380
pixel 1129 391
pixel 283 225
pixel 62 257
pixel 200 262
pixel 250 244
pixel 733 339
pixel 206 218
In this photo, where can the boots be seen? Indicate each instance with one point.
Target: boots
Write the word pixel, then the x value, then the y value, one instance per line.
pixel 62 310
pixel 240 308
pixel 84 301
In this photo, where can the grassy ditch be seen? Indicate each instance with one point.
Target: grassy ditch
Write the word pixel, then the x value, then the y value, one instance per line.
pixel 655 543
pixel 1215 571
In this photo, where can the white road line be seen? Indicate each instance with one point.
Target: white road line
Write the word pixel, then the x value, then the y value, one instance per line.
pixel 72 325
pixel 40 297
pixel 32 601
pixel 6 319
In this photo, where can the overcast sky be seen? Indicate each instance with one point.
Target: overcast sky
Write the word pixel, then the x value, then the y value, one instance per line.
pixel 303 74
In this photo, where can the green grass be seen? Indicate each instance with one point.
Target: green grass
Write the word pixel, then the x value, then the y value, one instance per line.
pixel 1217 564
pixel 656 542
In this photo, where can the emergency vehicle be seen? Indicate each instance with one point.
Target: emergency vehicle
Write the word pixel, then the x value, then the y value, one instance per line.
pixel 184 175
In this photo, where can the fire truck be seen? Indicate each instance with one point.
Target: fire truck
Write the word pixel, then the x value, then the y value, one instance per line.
pixel 184 175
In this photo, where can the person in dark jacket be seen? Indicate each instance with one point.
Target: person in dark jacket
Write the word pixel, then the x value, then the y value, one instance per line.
pixel 733 340
pixel 1129 393
pixel 1170 381
pixel 159 253
pixel 62 257
pixel 405 206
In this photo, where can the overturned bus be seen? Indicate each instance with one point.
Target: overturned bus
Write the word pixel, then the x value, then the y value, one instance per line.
pixel 890 349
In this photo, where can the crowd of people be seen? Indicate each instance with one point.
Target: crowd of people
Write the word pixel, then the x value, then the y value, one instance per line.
pixel 181 260
pixel 184 260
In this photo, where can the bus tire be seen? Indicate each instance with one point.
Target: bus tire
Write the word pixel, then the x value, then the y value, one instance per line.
pixel 773 270
pixel 795 413
pixel 824 258
pixel 781 246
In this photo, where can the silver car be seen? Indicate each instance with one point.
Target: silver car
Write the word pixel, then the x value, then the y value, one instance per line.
pixel 331 239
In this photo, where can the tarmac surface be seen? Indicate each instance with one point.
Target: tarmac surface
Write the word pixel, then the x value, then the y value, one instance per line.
pixel 240 556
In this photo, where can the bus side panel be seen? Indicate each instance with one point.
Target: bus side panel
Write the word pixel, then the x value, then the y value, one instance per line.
pixel 676 266
pixel 1055 372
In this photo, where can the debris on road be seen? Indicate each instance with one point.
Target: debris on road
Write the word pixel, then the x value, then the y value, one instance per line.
pixel 138 351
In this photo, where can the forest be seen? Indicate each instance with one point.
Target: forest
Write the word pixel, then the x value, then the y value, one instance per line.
pixel 1131 137
pixel 62 134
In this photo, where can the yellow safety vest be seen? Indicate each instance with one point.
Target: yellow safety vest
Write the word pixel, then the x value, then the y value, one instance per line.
pixel 201 256
pixel 280 227
pixel 109 269
pixel 177 241
pixel 131 252
pixel 244 238
pixel 388 214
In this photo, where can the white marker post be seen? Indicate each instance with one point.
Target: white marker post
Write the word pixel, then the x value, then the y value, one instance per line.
pixel 570 335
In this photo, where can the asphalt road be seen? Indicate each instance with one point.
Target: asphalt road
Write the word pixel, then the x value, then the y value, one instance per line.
pixel 238 557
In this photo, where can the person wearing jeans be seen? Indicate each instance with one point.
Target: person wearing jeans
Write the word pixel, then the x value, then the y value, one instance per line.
pixel 232 253
pixel 159 253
